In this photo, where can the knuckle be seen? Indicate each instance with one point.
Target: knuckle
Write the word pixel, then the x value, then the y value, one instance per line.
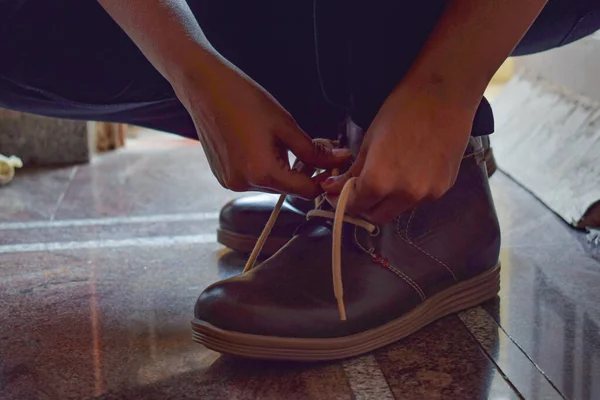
pixel 237 188
pixel 233 181
pixel 259 177
pixel 235 185
pixel 430 192
pixel 427 190
pixel 441 186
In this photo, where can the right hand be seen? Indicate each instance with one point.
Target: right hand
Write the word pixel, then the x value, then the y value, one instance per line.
pixel 246 133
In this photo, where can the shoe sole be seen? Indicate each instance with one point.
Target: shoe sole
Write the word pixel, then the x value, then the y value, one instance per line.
pixel 245 243
pixel 459 297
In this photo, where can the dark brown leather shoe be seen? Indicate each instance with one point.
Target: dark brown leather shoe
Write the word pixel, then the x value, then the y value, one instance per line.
pixel 437 259
pixel 241 220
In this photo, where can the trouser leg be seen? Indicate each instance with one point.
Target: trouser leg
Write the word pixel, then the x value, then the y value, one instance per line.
pixel 362 63
pixel 69 59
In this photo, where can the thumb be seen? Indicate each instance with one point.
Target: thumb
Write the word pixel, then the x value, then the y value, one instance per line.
pixel 313 152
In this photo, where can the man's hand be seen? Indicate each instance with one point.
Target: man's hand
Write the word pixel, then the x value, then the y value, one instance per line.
pixel 246 133
pixel 411 153
pixel 413 148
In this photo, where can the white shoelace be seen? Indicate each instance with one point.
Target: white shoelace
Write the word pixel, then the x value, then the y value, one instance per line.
pixel 338 218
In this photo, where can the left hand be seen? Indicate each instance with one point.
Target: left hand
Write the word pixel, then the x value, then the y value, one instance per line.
pixel 411 153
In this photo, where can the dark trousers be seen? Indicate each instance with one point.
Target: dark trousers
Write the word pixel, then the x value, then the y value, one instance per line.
pixel 323 61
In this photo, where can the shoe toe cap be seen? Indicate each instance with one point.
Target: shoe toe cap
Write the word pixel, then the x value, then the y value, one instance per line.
pixel 228 305
pixel 236 306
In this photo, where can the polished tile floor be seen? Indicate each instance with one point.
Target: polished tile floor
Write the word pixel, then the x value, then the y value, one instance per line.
pixel 100 266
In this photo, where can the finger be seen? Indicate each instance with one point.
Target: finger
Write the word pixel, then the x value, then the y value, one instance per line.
pixel 322 177
pixel 387 209
pixel 313 152
pixel 335 184
pixel 289 181
pixel 264 190
pixel 364 196
pixel 305 169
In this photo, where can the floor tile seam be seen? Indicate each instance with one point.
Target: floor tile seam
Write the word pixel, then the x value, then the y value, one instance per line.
pixel 64 192
pixel 109 221
pixel 377 380
pixel 156 241
pixel 522 350
pixel 491 360
pixel 519 348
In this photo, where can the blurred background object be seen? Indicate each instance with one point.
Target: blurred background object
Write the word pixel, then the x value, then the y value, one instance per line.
pixel 7 168
pixel 548 129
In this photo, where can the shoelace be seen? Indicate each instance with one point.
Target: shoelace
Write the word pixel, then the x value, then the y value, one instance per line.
pixel 338 218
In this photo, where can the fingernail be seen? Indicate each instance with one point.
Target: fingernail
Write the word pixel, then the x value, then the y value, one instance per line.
pixel 341 153
pixel 329 181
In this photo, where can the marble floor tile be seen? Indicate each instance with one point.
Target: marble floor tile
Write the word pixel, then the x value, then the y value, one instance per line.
pixel 366 378
pixel 34 194
pixel 144 181
pixel 549 303
pixel 526 377
pixel 442 361
pixel 19 235
pixel 114 324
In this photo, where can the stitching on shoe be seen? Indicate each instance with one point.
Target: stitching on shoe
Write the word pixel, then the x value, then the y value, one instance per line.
pixel 409 241
pixel 398 220
pixel 432 257
pixel 408 280
pixel 391 268
pixel 412 214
